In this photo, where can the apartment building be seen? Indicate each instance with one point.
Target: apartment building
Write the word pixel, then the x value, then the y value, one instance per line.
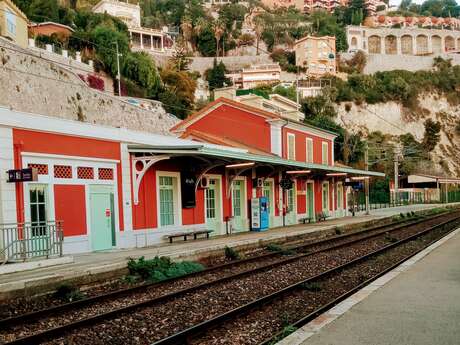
pixel 316 54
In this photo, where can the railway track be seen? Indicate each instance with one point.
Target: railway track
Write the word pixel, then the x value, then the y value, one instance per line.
pixel 35 327
pixel 317 294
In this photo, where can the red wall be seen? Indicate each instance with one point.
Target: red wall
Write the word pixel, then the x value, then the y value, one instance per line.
pixel 239 125
pixel 70 207
pixel 301 199
pixel 39 142
pixel 301 146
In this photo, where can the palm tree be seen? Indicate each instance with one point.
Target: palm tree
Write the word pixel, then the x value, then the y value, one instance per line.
pixel 187 30
pixel 258 30
pixel 218 28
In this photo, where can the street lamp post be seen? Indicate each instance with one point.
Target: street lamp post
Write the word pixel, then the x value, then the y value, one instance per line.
pixel 118 69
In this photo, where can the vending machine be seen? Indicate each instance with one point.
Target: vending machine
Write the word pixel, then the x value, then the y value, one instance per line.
pixel 259 214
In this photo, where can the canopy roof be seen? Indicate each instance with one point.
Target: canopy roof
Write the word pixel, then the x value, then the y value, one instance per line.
pixel 241 156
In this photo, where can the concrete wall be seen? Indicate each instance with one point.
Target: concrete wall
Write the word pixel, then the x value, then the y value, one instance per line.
pixel 36 85
pixel 383 62
pixel 201 64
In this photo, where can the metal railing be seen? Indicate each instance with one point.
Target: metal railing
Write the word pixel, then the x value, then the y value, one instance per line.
pixel 23 241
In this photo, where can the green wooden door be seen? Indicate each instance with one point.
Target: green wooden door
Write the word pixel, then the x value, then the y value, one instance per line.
pixel 38 239
pixel 310 201
pixel 212 206
pixel 291 213
pixel 238 206
pixel 102 227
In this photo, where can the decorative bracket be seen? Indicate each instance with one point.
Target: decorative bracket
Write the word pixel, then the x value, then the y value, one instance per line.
pixel 140 165
pixel 230 178
pixel 204 172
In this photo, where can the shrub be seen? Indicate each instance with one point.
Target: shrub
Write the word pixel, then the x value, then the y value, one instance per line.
pixel 95 82
pixel 69 293
pixel 278 249
pixel 231 254
pixel 338 231
pixel 161 268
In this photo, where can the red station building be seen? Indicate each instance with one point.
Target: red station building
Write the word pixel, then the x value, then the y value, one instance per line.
pixel 117 188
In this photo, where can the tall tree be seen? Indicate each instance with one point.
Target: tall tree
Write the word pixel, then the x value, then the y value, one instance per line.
pixel 216 76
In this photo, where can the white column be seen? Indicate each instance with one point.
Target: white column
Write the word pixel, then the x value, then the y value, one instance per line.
pixel 398 45
pixel 142 41
pixel 7 190
pixel 430 45
pixel 126 189
pixel 151 42
pixel 414 45
pixel 162 42
pixel 382 45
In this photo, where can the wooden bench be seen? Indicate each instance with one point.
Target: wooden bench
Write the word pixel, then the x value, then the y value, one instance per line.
pixel 189 233
pixel 305 219
pixel 321 216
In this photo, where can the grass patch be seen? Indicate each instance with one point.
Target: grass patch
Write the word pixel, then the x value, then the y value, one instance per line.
pixel 69 293
pixel 278 249
pixel 338 231
pixel 161 268
pixel 231 254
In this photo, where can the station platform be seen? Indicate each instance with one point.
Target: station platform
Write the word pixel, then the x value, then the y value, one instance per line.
pixel 418 303
pixel 86 268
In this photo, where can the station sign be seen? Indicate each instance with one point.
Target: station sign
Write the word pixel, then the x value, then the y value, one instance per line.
pixel 188 183
pixel 286 183
pixel 22 175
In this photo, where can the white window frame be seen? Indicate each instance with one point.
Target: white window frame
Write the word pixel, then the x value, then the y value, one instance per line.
pixel 288 156
pixel 309 150
pixel 325 149
pixel 244 211
pixel 325 209
pixel 176 195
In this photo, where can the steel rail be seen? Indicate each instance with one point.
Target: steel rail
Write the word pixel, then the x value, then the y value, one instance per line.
pixel 34 315
pixel 58 330
pixel 184 336
pixel 325 307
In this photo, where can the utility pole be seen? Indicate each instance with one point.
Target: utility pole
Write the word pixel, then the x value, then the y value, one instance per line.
pixel 118 69
pixel 297 85
pixel 396 168
pixel 366 180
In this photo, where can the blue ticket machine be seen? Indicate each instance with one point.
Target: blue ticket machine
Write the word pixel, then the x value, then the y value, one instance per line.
pixel 259 214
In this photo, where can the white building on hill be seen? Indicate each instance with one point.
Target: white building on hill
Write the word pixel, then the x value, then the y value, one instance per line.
pixel 141 38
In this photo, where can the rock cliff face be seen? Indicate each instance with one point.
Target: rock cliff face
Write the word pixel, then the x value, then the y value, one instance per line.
pixel 391 118
pixel 33 84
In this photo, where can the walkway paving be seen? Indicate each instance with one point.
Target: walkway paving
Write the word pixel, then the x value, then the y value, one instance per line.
pixel 101 262
pixel 418 306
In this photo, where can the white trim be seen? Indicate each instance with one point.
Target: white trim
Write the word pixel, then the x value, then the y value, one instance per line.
pixel 290 135
pixel 312 182
pixel 276 138
pixel 81 158
pixel 309 130
pixel 307 142
pixel 177 195
pixel 328 197
pixel 50 181
pixel 47 124
pixel 324 144
pixel 220 199
pixel 244 201
pixel 183 126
